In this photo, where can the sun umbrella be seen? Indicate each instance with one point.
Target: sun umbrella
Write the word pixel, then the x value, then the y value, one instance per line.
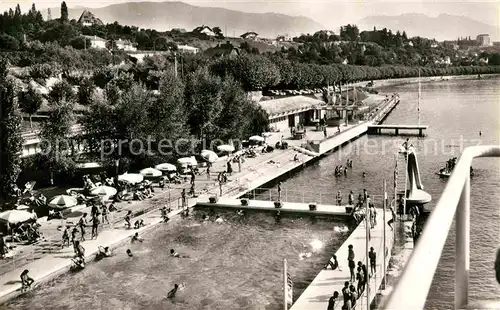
pixel 131 178
pixel 62 202
pixel 225 148
pixel 166 167
pixel 16 216
pixel 104 191
pixel 266 134
pixel 22 207
pixel 151 172
pixel 256 138
pixel 187 161
pixel 209 156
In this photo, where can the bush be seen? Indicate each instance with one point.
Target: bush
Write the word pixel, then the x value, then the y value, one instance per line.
pixel 44 71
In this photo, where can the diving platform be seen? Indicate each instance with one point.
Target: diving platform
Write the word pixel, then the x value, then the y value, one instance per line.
pixel 378 129
pixel 286 207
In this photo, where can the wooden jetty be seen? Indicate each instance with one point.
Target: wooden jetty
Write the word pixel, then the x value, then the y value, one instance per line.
pixel 377 129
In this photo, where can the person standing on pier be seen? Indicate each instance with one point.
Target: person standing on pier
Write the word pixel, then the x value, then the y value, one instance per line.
pixel 351 263
pixel 373 261
pixel 346 292
pixel 354 296
pixel 127 219
pixel 360 276
pixel 333 299
pixel 104 212
pixel 209 165
pixel 339 198
pixel 365 193
pixel 373 214
pixel 393 217
pixel 229 168
pixel 351 198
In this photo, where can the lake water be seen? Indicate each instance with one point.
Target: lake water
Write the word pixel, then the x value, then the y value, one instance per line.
pixel 455 111
pixel 238 266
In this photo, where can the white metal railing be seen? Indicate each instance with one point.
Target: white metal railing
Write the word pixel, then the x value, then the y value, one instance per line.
pixel 413 286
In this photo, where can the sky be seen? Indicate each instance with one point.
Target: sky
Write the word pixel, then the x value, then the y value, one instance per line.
pixel 326 12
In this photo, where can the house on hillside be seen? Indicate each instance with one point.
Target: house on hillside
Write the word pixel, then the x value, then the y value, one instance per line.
pixel 125 45
pixel 250 35
pixel 483 40
pixel 88 19
pixel 284 38
pixel 187 49
pixel 204 30
pixel 225 49
pixel 96 42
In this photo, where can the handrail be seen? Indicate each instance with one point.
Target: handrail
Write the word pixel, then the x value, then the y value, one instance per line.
pixel 413 286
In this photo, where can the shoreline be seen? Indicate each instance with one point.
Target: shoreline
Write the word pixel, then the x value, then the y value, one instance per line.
pixel 379 84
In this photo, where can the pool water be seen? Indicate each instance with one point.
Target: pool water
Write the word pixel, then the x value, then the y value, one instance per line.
pixel 234 265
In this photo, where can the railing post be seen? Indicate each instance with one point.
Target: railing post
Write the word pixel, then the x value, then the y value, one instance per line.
pixel 462 247
pixel 254 194
pixel 270 195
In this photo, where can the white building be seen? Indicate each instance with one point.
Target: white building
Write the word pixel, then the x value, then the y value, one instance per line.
pixel 285 113
pixel 125 45
pixel 188 49
pixel 96 42
pixel 284 38
pixel 483 40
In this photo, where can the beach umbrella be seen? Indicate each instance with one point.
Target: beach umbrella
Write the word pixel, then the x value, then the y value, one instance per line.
pixel 256 138
pixel 266 134
pixel 151 172
pixel 16 216
pixel 22 207
pixel 209 156
pixel 166 167
pixel 131 178
pixel 187 161
pixel 62 202
pixel 225 148
pixel 104 191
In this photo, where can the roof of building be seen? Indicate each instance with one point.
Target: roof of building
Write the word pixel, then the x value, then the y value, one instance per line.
pixel 289 104
pixel 201 28
pixel 222 50
pixel 95 38
pixel 250 33
pixel 88 17
pixel 187 47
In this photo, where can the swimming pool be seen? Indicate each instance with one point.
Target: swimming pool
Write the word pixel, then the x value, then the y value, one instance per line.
pixel 234 265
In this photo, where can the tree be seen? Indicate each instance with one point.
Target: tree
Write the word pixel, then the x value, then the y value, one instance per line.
pixel 61 91
pixel 203 103
pixel 10 136
pixel 64 12
pixel 85 91
pixel 56 142
pixel 30 102
pixel 218 32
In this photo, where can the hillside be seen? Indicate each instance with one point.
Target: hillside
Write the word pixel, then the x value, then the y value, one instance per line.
pixel 442 27
pixel 167 15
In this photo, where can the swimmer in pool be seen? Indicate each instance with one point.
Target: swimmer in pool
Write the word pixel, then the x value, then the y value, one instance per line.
pixel 136 238
pixel 173 291
pixel 219 220
pixel 173 253
pixel 129 253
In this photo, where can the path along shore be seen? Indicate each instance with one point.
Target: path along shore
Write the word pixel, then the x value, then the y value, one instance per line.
pixel 425 79
pixel 255 172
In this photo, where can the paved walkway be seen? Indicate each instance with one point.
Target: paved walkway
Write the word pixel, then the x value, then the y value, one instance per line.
pixel 317 294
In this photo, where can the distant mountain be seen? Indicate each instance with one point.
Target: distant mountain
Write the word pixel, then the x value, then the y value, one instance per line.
pixel 167 15
pixel 442 27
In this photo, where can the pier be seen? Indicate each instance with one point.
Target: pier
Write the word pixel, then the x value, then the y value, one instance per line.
pixel 286 207
pixel 317 294
pixel 377 129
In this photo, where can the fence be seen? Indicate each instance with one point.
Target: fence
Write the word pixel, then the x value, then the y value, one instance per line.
pixel 415 282
pixel 287 195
